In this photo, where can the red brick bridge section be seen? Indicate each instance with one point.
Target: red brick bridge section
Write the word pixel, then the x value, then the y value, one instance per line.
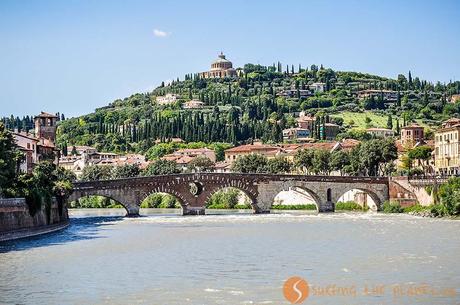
pixel 194 190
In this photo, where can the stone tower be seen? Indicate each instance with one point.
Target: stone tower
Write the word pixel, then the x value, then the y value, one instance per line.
pixel 45 126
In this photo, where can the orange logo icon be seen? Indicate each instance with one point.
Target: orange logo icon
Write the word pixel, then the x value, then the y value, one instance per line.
pixel 295 290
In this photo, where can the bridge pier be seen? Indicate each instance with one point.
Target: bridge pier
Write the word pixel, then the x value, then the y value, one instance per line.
pixel 326 207
pixel 186 210
pixel 132 210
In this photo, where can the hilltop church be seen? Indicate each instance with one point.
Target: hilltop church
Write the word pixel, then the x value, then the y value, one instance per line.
pixel 220 68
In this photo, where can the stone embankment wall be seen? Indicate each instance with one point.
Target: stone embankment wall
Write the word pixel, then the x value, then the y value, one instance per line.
pixel 15 218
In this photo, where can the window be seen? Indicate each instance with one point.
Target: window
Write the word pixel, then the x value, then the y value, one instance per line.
pixel 329 195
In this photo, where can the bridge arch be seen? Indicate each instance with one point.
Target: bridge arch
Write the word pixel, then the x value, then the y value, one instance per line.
pixel 161 189
pixel 252 197
pixel 297 186
pixel 376 197
pixel 129 208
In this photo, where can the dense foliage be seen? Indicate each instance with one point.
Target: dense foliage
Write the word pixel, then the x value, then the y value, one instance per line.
pixel 254 106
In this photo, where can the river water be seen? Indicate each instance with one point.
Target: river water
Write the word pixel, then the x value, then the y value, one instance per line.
pixel 234 259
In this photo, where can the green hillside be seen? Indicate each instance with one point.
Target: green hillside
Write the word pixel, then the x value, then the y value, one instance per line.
pixel 256 106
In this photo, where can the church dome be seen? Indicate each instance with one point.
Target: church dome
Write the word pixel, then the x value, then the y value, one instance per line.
pixel 221 63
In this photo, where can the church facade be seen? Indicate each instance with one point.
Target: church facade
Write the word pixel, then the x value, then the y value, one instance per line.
pixel 220 68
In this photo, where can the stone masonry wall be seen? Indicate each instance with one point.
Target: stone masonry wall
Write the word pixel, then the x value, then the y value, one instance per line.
pixel 14 215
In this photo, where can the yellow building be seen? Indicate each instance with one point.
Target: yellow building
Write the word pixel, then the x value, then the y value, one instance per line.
pixel 447 143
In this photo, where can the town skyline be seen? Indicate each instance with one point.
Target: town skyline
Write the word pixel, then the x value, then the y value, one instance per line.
pixel 125 57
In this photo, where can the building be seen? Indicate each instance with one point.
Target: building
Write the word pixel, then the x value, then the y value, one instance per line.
pixel 455 98
pixel 39 145
pixel 305 122
pixel 297 93
pixel 45 126
pixel 380 132
pixel 447 149
pixel 296 134
pixel 387 95
pixel 167 99
pixel 269 151
pixel 330 130
pixel 193 104
pixel 183 157
pixel 220 68
pixel 317 87
pixel 411 134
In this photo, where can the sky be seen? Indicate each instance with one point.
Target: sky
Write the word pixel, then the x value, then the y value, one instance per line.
pixel 74 56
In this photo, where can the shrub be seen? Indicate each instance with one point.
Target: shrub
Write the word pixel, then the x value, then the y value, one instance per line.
pixel 310 206
pixel 350 206
pixel 392 207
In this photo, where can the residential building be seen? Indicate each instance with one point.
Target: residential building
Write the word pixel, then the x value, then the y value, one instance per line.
pixel 220 68
pixel 291 93
pixel 183 157
pixel 296 134
pixel 40 145
pixel 447 149
pixel 330 130
pixel 380 132
pixel 193 104
pixel 167 99
pixel 305 122
pixel 270 151
pixel 411 134
pixel 387 95
pixel 455 98
pixel 317 87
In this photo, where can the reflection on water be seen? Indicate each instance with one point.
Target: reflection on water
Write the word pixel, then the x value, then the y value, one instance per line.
pixel 165 258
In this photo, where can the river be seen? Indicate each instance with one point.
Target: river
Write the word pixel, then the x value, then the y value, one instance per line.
pixel 234 258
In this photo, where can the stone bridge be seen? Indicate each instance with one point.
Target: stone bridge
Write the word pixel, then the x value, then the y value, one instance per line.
pixel 194 190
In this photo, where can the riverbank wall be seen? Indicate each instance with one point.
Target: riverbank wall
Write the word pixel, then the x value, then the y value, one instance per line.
pixel 17 222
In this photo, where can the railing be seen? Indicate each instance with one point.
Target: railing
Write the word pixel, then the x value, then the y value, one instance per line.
pixel 427 180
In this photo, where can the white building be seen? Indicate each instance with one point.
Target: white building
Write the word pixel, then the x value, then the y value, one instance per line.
pixel 317 87
pixel 380 132
pixel 167 99
pixel 193 104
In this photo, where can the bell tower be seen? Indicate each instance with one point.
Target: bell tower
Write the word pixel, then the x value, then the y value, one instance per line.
pixel 45 126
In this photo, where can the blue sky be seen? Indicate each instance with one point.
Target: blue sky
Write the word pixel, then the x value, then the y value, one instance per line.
pixel 73 56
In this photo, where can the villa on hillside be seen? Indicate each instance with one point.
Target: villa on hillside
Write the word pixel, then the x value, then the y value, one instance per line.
pixel 193 104
pixel 167 99
pixel 380 132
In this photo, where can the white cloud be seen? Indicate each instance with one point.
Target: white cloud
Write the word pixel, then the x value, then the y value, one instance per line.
pixel 159 33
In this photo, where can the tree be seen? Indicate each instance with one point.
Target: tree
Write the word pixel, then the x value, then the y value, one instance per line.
pixel 161 167
pixel 10 158
pixel 450 196
pixel 339 160
pixel 420 153
pixel 390 122
pixel 303 159
pixel 125 171
pixel 252 163
pixel 201 164
pixel 321 159
pixel 278 165
pixel 95 173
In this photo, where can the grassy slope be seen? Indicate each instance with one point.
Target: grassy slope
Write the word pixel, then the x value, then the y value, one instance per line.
pixel 377 119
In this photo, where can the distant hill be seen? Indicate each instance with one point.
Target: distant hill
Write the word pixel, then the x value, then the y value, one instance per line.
pixel 257 105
